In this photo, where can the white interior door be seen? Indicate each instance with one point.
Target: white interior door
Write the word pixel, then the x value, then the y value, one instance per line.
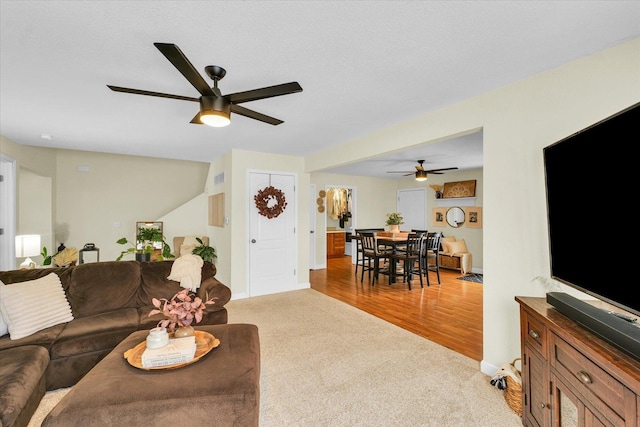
pixel 272 241
pixel 412 204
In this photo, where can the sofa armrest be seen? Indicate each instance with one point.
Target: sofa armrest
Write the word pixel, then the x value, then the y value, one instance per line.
pixel 213 288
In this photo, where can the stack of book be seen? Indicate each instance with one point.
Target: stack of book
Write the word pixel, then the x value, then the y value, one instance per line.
pixel 179 350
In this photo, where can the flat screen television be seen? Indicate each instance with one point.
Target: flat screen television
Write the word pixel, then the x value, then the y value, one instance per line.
pixel 590 193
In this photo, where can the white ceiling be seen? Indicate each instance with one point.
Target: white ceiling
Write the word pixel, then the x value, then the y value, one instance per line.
pixel 363 66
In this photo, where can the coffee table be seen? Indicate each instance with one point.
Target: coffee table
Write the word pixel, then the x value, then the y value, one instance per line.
pixel 221 389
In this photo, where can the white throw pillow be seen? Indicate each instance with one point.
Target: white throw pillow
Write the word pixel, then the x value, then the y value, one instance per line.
pixel 4 328
pixel 28 307
pixel 186 249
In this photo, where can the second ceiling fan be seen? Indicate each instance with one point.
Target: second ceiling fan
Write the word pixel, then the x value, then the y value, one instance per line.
pixel 421 173
pixel 215 108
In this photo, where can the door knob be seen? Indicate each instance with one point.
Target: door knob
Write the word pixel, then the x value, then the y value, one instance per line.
pixel 253 240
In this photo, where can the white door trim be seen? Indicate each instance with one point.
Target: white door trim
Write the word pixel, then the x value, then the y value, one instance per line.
pixel 8 212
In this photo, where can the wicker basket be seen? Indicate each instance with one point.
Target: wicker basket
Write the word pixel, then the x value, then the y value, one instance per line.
pixel 513 392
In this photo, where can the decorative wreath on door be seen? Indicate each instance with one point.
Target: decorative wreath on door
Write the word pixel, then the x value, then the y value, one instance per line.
pixel 265 202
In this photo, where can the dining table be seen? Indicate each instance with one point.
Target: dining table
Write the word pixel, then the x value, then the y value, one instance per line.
pixel 392 241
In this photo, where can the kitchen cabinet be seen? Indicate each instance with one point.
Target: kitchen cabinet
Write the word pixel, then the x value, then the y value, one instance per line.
pixel 335 244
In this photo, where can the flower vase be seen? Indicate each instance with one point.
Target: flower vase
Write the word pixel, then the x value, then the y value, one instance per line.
pixel 394 228
pixel 183 331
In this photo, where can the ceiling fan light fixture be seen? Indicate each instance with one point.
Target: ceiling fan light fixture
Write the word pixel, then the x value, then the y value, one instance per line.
pixel 215 111
pixel 214 118
pixel 421 175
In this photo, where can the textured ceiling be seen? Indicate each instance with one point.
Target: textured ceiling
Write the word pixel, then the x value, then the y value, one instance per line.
pixel 363 66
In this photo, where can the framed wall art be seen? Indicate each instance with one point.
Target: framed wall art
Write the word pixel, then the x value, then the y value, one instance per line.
pixel 474 217
pixel 439 219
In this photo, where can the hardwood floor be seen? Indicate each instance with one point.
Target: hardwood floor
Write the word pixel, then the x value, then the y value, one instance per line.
pixel 449 314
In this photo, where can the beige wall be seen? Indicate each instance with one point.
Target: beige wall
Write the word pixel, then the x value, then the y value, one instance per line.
pixel 517 121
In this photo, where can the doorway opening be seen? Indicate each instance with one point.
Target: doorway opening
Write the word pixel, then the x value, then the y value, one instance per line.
pixel 340 212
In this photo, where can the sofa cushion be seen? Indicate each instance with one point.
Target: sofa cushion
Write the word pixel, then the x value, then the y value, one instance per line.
pixel 31 306
pixel 17 276
pixel 154 282
pixel 101 331
pixel 22 375
pixel 43 338
pixel 100 287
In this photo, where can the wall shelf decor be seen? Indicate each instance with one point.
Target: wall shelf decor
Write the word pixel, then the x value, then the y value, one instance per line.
pixel 459 189
pixel 456 201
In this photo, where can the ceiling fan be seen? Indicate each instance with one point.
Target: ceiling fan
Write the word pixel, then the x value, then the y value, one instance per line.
pixel 215 108
pixel 421 174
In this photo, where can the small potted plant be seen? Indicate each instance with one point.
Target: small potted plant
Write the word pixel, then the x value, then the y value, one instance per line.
pixel 143 253
pixel 394 220
pixel 206 252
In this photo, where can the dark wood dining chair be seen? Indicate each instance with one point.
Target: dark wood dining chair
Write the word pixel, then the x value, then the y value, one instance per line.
pixel 431 255
pixel 359 253
pixel 409 256
pixel 372 255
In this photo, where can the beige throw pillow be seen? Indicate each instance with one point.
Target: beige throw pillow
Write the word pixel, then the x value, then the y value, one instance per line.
pixel 459 247
pixel 445 243
pixel 28 307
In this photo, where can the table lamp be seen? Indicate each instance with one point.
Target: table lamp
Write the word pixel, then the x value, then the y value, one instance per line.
pixel 27 245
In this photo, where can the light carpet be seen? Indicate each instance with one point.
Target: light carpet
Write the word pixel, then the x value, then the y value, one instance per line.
pixel 325 363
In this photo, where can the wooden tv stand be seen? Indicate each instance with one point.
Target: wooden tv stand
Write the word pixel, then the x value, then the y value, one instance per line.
pixel 572 377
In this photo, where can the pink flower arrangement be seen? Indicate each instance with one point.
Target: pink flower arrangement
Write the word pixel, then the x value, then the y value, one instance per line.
pixel 183 309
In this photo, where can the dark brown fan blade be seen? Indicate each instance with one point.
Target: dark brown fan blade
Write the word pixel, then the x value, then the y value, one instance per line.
pixel 146 92
pixel 254 115
pixel 177 58
pixel 265 92
pixel 437 171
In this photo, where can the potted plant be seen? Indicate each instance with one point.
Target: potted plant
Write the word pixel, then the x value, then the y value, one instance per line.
pixel 206 252
pixel 143 254
pixel 394 220
pixel 181 311
pixel 148 240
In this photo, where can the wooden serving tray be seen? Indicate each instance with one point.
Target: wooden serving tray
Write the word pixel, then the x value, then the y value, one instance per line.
pixel 205 342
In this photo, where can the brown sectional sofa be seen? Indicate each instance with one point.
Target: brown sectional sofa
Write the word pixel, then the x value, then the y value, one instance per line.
pixel 109 300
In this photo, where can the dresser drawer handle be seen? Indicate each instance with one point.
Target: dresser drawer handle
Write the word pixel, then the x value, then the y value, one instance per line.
pixel 534 334
pixel 542 405
pixel 584 377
